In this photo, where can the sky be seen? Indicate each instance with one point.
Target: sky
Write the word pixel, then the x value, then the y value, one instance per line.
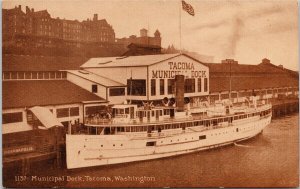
pixel 244 30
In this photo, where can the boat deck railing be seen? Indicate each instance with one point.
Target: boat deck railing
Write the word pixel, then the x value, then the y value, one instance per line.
pixel 98 121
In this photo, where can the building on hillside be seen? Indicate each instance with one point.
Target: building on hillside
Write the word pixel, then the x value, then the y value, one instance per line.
pixel 141 49
pixel 143 40
pixel 35 32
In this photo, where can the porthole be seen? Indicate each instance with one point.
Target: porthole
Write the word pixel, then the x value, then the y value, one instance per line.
pixel 114 145
pixel 121 144
pixel 185 139
pixel 171 141
pixel 177 139
pixel 101 145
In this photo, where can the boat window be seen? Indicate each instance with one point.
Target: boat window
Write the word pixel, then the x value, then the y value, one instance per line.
pixel 202 137
pixel 235 117
pixel 220 120
pixel 160 112
pixel 225 119
pixel 214 122
pixel 145 128
pixel 120 129
pixel 152 143
pixel 127 129
pixel 189 124
pixel 152 113
pixel 126 110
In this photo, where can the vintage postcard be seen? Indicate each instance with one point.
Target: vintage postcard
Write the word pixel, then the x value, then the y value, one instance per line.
pixel 150 93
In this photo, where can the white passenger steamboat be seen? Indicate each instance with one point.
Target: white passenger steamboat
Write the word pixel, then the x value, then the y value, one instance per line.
pixel 131 133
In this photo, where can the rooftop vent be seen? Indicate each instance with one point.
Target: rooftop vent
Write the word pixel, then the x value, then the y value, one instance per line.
pixel 229 61
pixel 105 62
pixel 83 71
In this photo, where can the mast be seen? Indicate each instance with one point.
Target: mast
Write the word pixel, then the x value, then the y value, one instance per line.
pixel 130 86
pixel 230 81
pixel 180 7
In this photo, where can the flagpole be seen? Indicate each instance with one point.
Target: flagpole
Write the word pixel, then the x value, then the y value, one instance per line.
pixel 180 49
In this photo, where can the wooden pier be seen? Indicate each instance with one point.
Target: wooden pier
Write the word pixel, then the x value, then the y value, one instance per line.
pixel 285 106
pixel 21 153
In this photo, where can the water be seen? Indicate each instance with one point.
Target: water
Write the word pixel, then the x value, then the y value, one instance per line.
pixel 268 160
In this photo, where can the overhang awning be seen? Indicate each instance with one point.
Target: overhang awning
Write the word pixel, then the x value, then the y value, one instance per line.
pixel 45 116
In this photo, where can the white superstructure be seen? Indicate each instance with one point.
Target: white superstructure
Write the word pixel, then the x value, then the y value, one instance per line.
pixel 132 134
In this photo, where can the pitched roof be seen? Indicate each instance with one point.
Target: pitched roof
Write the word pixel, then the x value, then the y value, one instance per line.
pixel 28 93
pixel 144 46
pixel 40 63
pixel 144 60
pixel 217 84
pixel 96 78
pixel 243 68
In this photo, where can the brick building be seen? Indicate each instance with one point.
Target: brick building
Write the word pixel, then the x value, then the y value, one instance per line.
pixel 38 31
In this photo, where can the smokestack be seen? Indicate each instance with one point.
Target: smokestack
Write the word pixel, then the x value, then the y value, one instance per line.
pixel 27 10
pixel 229 61
pixel 95 17
pixel 179 93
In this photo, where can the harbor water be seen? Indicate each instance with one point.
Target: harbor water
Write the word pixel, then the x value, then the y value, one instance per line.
pixel 268 160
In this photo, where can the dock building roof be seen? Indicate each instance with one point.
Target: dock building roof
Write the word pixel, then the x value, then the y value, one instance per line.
pixel 28 93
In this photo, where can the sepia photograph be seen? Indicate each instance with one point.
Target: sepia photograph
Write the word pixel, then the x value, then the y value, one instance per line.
pixel 150 93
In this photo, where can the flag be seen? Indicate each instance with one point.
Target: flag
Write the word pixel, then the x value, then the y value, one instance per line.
pixel 188 8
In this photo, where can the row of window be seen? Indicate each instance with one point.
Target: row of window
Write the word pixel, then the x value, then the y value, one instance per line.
pixel 189 86
pixel 34 75
pixel 18 116
pixel 206 123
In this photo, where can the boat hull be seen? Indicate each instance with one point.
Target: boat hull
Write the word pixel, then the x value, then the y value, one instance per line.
pixel 97 150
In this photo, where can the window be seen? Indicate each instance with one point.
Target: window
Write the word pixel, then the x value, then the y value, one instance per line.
pixel 199 84
pixel 64 75
pixel 171 86
pixel 12 117
pixel 21 75
pixel 94 109
pixel 52 75
pixel 94 88
pixel 152 143
pixel 224 96
pixel 161 86
pixel 117 92
pixel 62 112
pixel 205 85
pixel 74 111
pixel 153 87
pixel 6 75
pixel 189 85
pixel 202 137
pixel 136 87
